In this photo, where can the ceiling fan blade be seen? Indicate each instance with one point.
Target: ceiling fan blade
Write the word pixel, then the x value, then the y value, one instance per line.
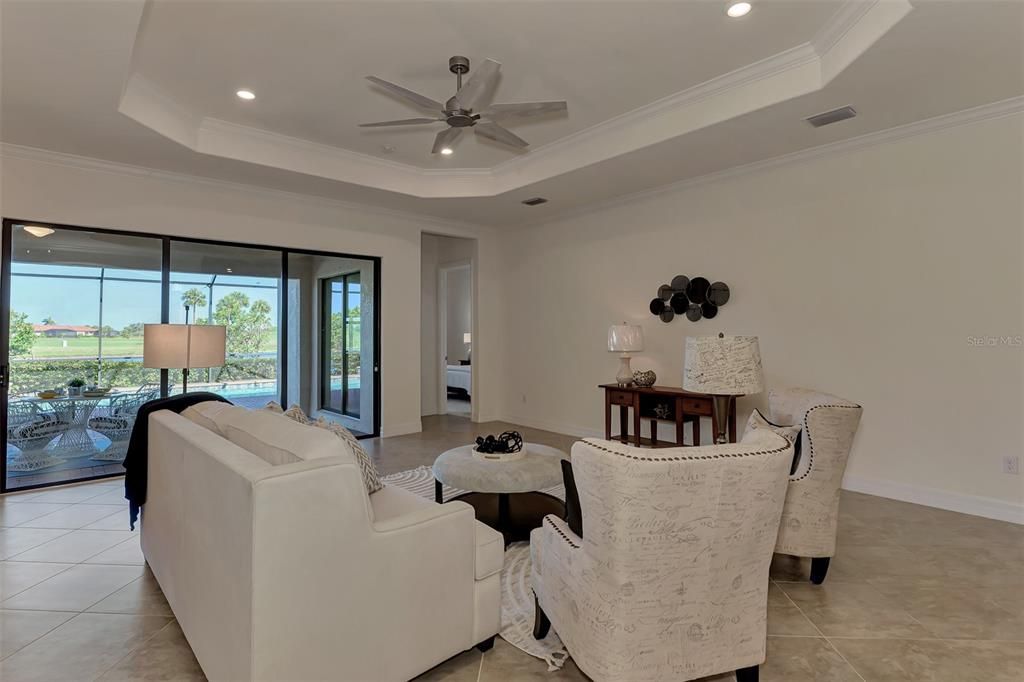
pixel 446 138
pixel 480 84
pixel 495 132
pixel 414 97
pixel 523 109
pixel 402 122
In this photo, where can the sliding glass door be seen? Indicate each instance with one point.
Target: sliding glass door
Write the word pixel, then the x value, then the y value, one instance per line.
pixel 239 288
pixel 77 304
pixel 301 326
pixel 340 294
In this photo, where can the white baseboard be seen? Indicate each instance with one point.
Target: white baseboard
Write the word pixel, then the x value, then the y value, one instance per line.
pixel 388 430
pixel 975 505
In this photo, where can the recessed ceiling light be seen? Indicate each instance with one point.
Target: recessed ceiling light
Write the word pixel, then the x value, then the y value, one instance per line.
pixel 447 151
pixel 738 9
pixel 38 230
pixel 246 94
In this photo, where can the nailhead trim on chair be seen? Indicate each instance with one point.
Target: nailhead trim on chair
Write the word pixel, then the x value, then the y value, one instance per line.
pixel 683 458
pixel 559 531
pixel 810 445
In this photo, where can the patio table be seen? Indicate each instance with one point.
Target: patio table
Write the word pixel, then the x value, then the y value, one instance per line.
pixel 75 412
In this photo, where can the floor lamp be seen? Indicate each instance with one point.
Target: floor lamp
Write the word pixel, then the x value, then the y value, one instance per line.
pixel 723 367
pixel 188 346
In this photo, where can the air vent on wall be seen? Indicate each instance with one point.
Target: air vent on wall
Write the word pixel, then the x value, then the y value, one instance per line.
pixel 834 116
pixel 536 201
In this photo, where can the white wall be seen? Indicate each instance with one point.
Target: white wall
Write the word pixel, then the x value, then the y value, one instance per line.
pixel 79 194
pixel 865 274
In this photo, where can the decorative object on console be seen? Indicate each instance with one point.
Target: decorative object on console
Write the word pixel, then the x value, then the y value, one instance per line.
pixel 695 298
pixel 509 441
pixel 645 377
pixel 724 367
pixel 625 338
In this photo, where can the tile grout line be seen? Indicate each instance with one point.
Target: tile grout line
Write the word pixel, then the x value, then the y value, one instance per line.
pixel 133 650
pixel 831 645
pixel 480 670
pixel 2 658
pixel 14 594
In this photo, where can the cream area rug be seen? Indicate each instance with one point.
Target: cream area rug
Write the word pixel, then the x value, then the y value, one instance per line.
pixel 516 592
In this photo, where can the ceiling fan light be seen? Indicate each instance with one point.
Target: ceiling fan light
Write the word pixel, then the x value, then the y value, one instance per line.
pixel 447 151
pixel 738 9
pixel 38 230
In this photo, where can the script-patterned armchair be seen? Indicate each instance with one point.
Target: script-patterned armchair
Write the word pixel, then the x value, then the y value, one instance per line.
pixel 670 578
pixel 811 513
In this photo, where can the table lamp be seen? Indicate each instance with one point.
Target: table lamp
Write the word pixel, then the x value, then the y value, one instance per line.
pixel 723 367
pixel 625 338
pixel 170 346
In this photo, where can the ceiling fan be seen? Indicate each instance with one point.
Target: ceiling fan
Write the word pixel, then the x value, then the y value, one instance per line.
pixel 468 107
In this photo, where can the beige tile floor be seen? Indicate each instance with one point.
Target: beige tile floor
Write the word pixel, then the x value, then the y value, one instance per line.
pixel 914 593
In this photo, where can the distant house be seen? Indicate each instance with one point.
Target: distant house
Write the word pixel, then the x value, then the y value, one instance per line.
pixel 63 330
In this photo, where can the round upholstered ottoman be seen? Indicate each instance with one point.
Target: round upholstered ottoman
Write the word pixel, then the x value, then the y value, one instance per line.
pixel 506 495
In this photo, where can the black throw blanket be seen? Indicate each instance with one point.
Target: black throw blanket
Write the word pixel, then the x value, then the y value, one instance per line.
pixel 136 458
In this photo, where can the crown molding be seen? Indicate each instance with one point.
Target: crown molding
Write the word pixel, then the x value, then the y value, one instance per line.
pixel 87 163
pixel 797 71
pixel 979 114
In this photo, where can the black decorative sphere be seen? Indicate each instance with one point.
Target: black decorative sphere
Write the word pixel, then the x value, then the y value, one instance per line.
pixel 693 313
pixel 708 309
pixel 657 306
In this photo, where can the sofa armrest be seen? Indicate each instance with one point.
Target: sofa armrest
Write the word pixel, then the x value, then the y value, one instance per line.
pixel 420 519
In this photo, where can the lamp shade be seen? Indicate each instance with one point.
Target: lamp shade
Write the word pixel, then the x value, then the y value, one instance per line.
pixel 625 338
pixel 723 365
pixel 467 338
pixel 183 346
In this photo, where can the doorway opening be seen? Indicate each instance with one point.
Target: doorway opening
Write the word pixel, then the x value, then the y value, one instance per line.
pixel 449 382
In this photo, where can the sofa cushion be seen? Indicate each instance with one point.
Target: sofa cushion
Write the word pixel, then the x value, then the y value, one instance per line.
pixel 203 414
pixel 274 437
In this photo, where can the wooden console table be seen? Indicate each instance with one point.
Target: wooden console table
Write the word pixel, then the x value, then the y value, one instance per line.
pixel 676 405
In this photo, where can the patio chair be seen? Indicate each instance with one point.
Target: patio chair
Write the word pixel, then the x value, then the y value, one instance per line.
pixel 30 429
pixel 117 424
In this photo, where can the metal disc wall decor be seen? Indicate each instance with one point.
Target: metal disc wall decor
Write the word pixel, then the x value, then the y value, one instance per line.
pixel 718 294
pixel 695 298
pixel 679 303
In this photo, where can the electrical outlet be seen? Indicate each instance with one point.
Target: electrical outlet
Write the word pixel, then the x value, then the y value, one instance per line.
pixel 1011 464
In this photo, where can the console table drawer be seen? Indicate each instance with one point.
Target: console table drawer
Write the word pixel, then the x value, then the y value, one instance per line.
pixel 620 397
pixel 702 407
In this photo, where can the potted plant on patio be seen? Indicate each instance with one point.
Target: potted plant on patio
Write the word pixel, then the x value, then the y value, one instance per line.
pixel 75 387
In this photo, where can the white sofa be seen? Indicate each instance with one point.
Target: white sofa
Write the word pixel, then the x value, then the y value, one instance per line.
pixel 279 566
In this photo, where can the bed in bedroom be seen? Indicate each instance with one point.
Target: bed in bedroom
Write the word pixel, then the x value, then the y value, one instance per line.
pixel 460 380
